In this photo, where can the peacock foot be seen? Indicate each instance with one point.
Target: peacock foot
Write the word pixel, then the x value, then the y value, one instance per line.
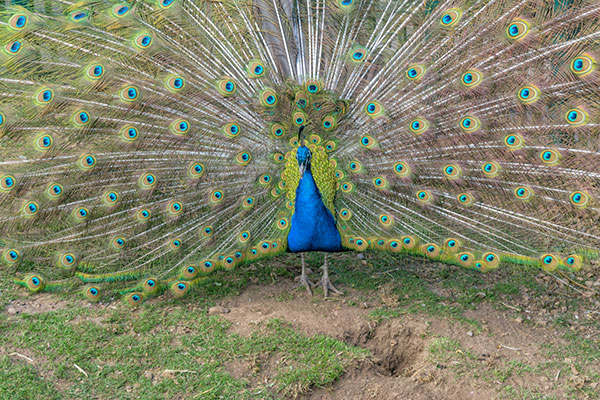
pixel 304 281
pixel 327 286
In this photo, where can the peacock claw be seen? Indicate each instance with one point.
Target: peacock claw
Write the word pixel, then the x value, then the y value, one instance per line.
pixel 327 286
pixel 304 281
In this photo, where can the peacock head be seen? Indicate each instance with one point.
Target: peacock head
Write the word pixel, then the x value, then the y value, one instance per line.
pixel 303 154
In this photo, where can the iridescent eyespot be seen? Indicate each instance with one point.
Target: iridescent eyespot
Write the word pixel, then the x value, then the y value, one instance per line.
pixel 110 198
pixel 517 29
pixel 150 285
pixel 18 21
pixel 206 231
pixel 80 214
pixel 528 94
pixel 174 208
pixel 301 99
pixel 78 16
pixel 549 262
pixel 355 166
pixel 373 109
pixel 345 214
pixel 120 10
pixel 347 187
pixel 409 242
pixel 583 65
pixel 7 183
pixel 43 96
pixel 402 169
pixel 523 193
pixel 580 199
pixel 367 142
pixel 2 120
pixel 278 158
pixel 134 299
pixel 264 179
pixel 424 196
pixel 243 158
pixel 12 48
pixel 67 261
pixel 465 259
pixel 81 118
pixel 143 215
pixel 195 170
pixel 466 199
pixel 86 162
pixel 180 127
pixel 339 174
pixel 415 72
pixel 174 83
pixel 175 244
pixel 451 245
pixel 226 86
pixel 92 293
pixel 207 265
pixel 514 141
pixel 129 94
pixel 43 142
pixel 229 262
pixel 491 260
pixel 283 223
pixel 142 41
pixel 294 142
pixel 118 243
pixel 216 196
pixel 147 181
pixel 345 5
pixel 244 236
pixel 491 169
pixel 10 256
pixel 452 171
pixel 312 86
pixel 268 98
pixel 277 130
pixel 431 250
pixel 165 3
pixel 329 122
pixel 360 244
pixel 380 182
pixel 471 78
pixel 264 247
pixel 418 126
pixel 386 220
pixel 395 246
pixel 129 133
pixel 299 118
pixel 179 288
pixel 358 54
pixel 450 17
pixel 189 272
pixel 248 202
pixel 576 117
pixel 550 157
pixel 574 262
pixel 34 283
pixel 469 124
pixel 255 69
pixel 94 72
pixel 54 191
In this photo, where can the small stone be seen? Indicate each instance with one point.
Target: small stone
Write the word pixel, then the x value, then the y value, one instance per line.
pixel 218 310
pixel 480 295
pixel 470 333
pixel 11 311
pixel 360 256
pixel 519 320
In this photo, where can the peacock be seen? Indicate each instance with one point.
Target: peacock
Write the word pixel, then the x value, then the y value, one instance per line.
pixel 146 143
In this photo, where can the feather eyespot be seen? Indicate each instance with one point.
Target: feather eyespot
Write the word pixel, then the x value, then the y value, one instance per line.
pixel 80 214
pixel 528 94
pixel 574 262
pixel 386 220
pixel 174 208
pixel 339 174
pixel 368 142
pixel 470 124
pixel 243 158
pixel 81 118
pixel 18 22
pixel 299 118
pixel 7 183
pixel 29 209
pixel 189 272
pixel 576 117
pixel 143 41
pixel 86 162
pixel 129 94
pixel 265 179
pixel 150 285
pixel 129 134
pixel 345 4
pixel 34 283
pixel 409 242
pixel 118 243
pixel 244 236
pixel 67 261
pixel 355 166
pixel 165 3
pixel 580 199
pixel 583 65
pixel 78 15
pixel 226 86
pixel 491 260
pixel 380 183
pixel 523 193
pixel 514 142
pixel 452 171
pixel 94 72
pixel 471 78
pixel 549 262
pixel 10 256
pixel 451 245
pixel 268 98
pixel 465 199
pixel 179 288
pixel 175 244
pixel 147 181
pixel 431 250
pixel 92 293
pixel 491 169
pixel 120 10
pixel 43 142
pixel 277 130
pixel 465 259
pixel 450 17
pixel 418 126
pixel 312 86
pixel 216 196
pixel 207 265
pixel 550 157
pixel 195 170
pixel 424 197
pixel 134 299
pixel 255 69
pixel 180 127
pixel 358 54
pixel 12 48
pixel 415 72
pixel 283 223
pixel 347 187
pixel 174 83
pixel 518 29
pixel 143 215
pixel 43 96
pixel 110 198
pixel 402 169
pixel 395 246
pixel 345 214
pixel 374 109
pixel 248 202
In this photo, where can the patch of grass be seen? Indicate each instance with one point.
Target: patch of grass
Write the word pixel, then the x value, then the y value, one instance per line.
pixel 445 350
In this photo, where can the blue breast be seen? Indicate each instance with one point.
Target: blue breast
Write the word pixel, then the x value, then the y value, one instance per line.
pixel 313 226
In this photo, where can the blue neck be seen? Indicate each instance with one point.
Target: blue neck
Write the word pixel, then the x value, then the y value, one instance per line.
pixel 313 226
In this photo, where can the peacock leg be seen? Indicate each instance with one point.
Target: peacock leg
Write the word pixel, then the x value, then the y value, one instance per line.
pixel 325 282
pixel 303 280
